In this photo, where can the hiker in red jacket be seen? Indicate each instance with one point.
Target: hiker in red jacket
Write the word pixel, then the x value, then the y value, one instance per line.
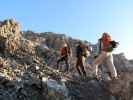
pixel 65 52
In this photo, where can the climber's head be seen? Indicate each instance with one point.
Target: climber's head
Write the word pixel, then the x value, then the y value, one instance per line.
pixel 105 34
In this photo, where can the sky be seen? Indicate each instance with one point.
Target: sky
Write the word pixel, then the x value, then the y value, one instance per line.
pixel 80 19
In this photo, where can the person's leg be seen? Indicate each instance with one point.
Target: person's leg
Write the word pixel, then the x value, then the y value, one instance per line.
pixel 99 60
pixel 59 60
pixel 82 66
pixel 67 64
pixel 111 66
pixel 77 66
pixel 58 63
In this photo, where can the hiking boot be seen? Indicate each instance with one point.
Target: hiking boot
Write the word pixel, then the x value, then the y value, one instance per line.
pixel 66 70
pixel 83 77
pixel 97 77
pixel 109 78
pixel 114 78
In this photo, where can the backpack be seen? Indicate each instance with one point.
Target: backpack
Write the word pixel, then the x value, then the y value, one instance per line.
pixel 99 46
pixel 85 52
pixel 65 51
pixel 113 45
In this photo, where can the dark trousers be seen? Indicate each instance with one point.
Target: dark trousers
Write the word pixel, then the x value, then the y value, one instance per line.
pixel 80 66
pixel 63 58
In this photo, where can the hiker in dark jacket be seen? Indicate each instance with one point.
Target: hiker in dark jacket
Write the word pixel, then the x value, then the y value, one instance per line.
pixel 65 53
pixel 80 61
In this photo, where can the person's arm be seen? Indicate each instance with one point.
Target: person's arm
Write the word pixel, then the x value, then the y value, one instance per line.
pixel 70 52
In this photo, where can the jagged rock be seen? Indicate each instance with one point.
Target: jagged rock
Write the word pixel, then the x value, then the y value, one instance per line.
pixel 122 64
pixel 9 35
pixel 57 90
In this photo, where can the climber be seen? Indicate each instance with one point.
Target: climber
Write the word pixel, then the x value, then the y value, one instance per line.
pixel 105 55
pixel 81 54
pixel 65 52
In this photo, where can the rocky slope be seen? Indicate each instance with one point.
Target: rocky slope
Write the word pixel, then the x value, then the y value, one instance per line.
pixel 28 70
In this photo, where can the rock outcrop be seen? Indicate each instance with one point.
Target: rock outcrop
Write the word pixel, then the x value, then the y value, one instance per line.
pixel 27 70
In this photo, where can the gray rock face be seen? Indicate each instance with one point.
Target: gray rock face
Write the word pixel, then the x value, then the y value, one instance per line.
pixel 122 64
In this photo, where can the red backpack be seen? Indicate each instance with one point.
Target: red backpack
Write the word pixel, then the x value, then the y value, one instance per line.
pixel 63 51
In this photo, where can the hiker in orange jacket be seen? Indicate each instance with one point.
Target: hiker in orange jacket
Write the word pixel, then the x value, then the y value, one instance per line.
pixel 105 56
pixel 65 52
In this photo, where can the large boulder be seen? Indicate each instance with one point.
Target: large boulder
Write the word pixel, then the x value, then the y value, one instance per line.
pixel 10 35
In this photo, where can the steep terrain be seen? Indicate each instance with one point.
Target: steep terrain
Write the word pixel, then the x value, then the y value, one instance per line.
pixel 28 69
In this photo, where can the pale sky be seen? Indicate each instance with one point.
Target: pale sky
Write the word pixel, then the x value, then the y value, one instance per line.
pixel 84 19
